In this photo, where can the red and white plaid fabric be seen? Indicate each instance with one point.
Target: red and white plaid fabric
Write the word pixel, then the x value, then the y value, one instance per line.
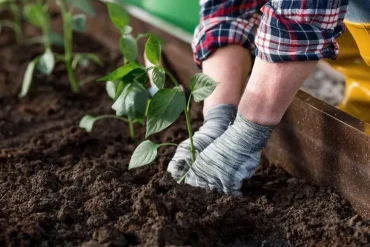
pixel 278 30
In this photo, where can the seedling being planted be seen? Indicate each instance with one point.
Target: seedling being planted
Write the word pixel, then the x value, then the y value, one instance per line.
pixel 127 84
pixel 167 105
pixel 38 15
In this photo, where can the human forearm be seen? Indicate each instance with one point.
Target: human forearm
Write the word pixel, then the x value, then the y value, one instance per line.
pixel 230 67
pixel 271 89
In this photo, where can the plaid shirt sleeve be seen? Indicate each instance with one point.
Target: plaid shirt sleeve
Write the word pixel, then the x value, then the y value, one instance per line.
pixel 225 22
pixel 289 30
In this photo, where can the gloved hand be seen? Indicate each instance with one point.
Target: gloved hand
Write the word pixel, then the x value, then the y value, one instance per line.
pixel 231 158
pixel 216 122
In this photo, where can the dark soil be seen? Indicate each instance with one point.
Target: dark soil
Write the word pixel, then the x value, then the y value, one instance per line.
pixel 61 186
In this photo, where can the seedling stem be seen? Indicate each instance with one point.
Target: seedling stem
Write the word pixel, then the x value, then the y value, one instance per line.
pixel 46 35
pixel 168 144
pixel 131 127
pixel 183 177
pixel 17 21
pixel 67 31
pixel 187 117
pixel 112 116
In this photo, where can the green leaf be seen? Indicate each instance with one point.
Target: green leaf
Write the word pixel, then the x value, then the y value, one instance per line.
pixel 132 101
pixel 82 5
pixel 120 72
pixel 79 23
pixel 111 88
pixel 127 30
pixel 153 50
pixel 35 14
pixel 9 24
pixel 136 75
pixel 118 16
pixel 120 87
pixel 79 57
pixel 83 62
pixel 128 47
pixel 140 121
pixel 114 89
pixel 159 77
pixel 87 122
pixel 27 79
pixel 56 38
pixel 165 107
pixel 201 86
pixel 46 63
pixel 144 154
pixel 143 35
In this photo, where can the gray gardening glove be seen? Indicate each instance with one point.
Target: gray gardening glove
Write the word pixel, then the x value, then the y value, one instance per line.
pixel 216 122
pixel 231 158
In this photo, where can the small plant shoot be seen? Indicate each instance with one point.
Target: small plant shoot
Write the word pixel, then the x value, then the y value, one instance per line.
pixel 15 8
pixel 74 23
pixel 37 14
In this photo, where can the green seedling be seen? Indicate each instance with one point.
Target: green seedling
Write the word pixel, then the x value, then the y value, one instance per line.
pixel 74 23
pixel 125 85
pixel 37 14
pixel 16 7
pixel 16 25
pixel 167 105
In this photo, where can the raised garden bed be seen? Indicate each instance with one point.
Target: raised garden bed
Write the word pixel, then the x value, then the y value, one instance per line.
pixel 61 186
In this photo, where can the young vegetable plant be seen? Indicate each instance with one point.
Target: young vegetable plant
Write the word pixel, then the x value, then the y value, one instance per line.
pixel 125 85
pixel 74 23
pixel 167 105
pixel 16 25
pixel 37 14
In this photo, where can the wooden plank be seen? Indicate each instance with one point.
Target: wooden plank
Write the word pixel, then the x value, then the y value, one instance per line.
pixel 325 146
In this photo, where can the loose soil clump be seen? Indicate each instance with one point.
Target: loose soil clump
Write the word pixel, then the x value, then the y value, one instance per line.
pixel 61 186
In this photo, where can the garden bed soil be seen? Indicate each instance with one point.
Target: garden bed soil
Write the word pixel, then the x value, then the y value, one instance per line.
pixel 61 186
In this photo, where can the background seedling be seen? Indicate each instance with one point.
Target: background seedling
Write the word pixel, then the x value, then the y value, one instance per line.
pixel 37 14
pixel 74 23
pixel 15 8
pixel 167 105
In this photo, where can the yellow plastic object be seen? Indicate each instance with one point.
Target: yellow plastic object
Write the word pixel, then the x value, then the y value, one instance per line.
pixel 361 34
pixel 354 63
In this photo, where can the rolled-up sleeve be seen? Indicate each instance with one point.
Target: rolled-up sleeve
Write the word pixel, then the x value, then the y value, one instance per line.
pixel 288 30
pixel 225 22
pixel 300 30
